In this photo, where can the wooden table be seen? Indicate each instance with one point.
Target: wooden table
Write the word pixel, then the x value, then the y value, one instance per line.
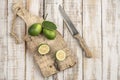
pixel 98 21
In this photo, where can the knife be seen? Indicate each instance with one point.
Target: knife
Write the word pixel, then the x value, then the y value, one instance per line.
pixel 75 33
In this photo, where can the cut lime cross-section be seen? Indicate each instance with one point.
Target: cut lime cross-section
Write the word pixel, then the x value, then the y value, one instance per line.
pixel 43 49
pixel 60 55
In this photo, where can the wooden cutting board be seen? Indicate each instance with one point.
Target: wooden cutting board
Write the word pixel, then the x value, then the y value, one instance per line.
pixel 47 63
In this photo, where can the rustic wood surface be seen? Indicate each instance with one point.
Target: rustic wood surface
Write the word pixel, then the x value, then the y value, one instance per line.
pixel 48 64
pixel 97 21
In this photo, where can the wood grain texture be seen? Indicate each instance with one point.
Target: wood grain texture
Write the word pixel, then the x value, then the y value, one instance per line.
pixel 74 10
pixel 16 53
pixel 111 39
pixel 83 45
pixel 100 30
pixel 3 40
pixel 92 35
pixel 32 70
pixel 51 8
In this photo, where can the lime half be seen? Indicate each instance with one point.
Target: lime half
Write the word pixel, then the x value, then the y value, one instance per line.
pixel 43 49
pixel 60 55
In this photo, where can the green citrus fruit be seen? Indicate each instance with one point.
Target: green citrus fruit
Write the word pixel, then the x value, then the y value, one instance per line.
pixel 50 34
pixel 43 49
pixel 35 29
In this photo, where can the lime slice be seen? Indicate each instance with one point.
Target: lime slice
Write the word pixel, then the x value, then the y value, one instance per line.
pixel 43 49
pixel 60 55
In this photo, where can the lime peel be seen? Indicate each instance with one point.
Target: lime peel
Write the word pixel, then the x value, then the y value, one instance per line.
pixel 35 29
pixel 50 34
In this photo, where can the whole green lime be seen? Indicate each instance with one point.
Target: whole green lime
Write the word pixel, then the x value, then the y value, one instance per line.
pixel 35 29
pixel 50 34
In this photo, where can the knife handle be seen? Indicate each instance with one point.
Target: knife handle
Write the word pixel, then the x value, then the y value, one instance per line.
pixel 84 46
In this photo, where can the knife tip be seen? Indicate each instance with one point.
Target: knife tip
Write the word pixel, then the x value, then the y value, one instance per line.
pixel 60 6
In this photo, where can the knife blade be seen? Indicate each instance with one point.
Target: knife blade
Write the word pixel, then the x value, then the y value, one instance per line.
pixel 75 33
pixel 71 27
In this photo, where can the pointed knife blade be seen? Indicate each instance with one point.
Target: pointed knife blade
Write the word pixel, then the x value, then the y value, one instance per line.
pixel 75 33
pixel 70 26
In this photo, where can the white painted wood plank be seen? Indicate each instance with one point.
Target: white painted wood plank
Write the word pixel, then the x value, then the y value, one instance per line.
pixel 111 39
pixel 16 53
pixel 3 40
pixel 74 9
pixel 118 37
pixel 51 8
pixel 32 70
pixel 92 36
